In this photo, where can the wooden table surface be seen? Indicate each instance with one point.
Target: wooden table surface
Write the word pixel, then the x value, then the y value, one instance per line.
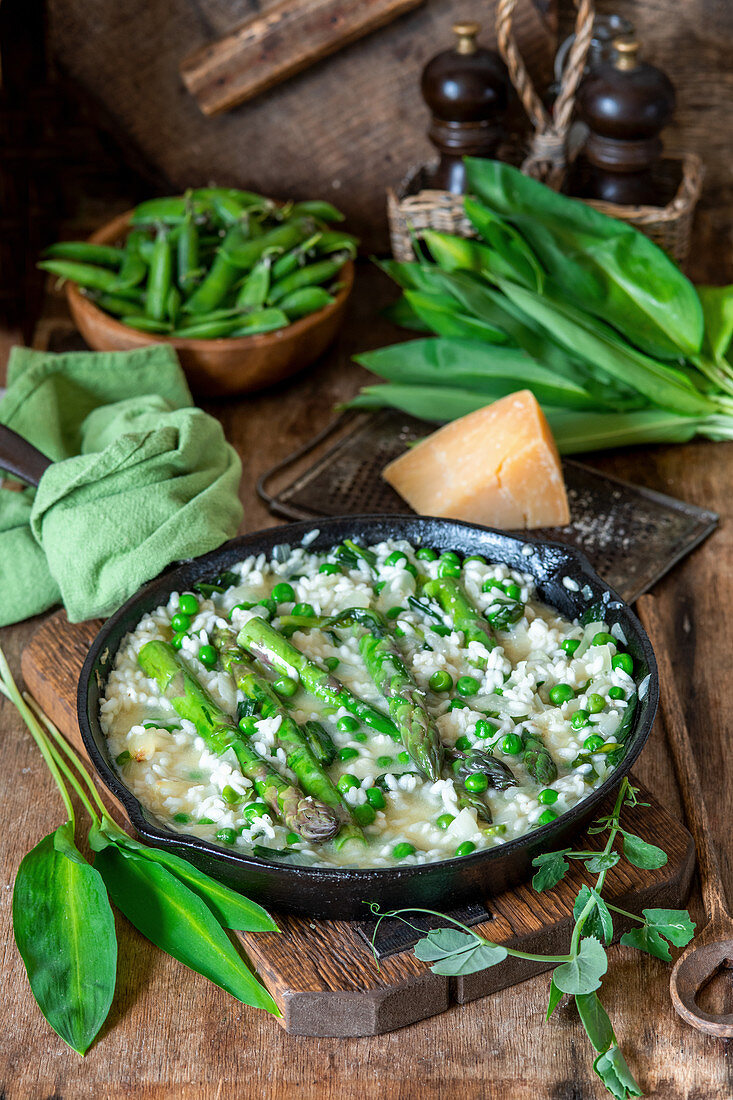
pixel 173 1035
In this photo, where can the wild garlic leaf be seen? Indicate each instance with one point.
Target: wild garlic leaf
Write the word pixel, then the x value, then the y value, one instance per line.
pixel 595 1021
pixel 616 1076
pixel 583 973
pixel 455 953
pixel 599 922
pixel 603 861
pixel 556 995
pixel 646 939
pixel 175 919
pixel 65 932
pixel 642 854
pixel 674 924
pixel 552 868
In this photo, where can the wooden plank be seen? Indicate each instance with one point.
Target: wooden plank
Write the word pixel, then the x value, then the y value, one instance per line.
pixel 271 47
pixel 322 973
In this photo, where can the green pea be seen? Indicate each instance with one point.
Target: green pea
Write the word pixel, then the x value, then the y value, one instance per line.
pixel 205 821
pixel 547 796
pixel 123 758
pixel 450 556
pixel 361 737
pixel 177 639
pixel 561 693
pixel 395 558
pixel 403 757
pixel 226 836
pixel 329 568
pixel 579 719
pixel 255 809
pixel 474 557
pixel 331 663
pixel 463 743
pixel 466 848
pixel 513 591
pixel 286 686
pixel 426 553
pixel 208 656
pixel 603 638
pixel 484 729
pixel 457 704
pixel 181 622
pixel 347 724
pixel 624 661
pixel 230 795
pixel 444 821
pixel 547 817
pixel 292 838
pixel 379 586
pixel 593 743
pixel 570 645
pixel 467 685
pixel 364 814
pixel 375 798
pixel 440 630
pixel 347 782
pixel 303 610
pixel 449 569
pixel 511 744
pixel 440 681
pixel 283 593
pixel 248 726
pixel 596 703
pixel 395 612
pixel 492 583
pixel 476 782
pixel 347 754
pixel 182 819
pixel 616 692
pixel 403 850
pixel 384 761
pixel 188 604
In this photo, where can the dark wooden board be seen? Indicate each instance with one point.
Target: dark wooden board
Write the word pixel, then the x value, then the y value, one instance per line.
pixel 322 973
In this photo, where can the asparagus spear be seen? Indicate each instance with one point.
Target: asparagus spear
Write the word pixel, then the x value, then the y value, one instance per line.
pixel 469 800
pixel 313 820
pixel 537 760
pixel 454 601
pixel 299 757
pixel 268 645
pixel 498 774
pixel 320 741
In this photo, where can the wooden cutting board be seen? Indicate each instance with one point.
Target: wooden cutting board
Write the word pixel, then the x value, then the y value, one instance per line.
pixel 322 974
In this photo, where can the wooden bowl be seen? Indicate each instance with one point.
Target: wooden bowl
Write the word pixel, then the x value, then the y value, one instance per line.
pixel 216 368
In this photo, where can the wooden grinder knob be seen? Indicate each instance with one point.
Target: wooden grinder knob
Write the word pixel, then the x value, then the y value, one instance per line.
pixel 465 89
pixel 625 103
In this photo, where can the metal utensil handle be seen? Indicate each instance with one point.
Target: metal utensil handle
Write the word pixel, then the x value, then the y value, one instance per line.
pixel 688 778
pixel 20 458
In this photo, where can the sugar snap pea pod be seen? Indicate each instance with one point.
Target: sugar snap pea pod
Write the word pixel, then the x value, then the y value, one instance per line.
pixel 86 275
pixel 274 651
pixel 323 271
pixel 168 211
pixel 148 324
pixel 85 252
pixel 253 292
pixel 187 254
pixel 134 268
pixel 320 741
pixel 309 299
pixel 261 320
pixel 216 329
pixel 159 278
pixel 335 240
pixel 145 248
pixel 173 305
pixel 295 258
pixel 316 208
pixel 232 198
pixel 299 758
pixel 221 277
pixel 305 815
pixel 537 760
pixel 119 306
pixel 454 601
pixel 245 253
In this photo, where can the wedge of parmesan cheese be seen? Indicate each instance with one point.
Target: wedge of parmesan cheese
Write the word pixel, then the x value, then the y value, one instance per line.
pixel 497 466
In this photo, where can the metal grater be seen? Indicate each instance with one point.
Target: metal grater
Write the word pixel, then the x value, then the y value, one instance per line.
pixel 632 536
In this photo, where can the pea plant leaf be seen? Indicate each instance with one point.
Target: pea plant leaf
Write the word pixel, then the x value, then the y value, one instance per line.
pixel 595 1020
pixel 599 922
pixel 175 919
pixel 642 854
pixel 453 952
pixel 602 861
pixel 556 995
pixel 612 1069
pixel 551 869
pixel 674 924
pixel 646 939
pixel 65 932
pixel 583 973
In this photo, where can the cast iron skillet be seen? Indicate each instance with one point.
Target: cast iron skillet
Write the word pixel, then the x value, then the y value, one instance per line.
pixel 327 892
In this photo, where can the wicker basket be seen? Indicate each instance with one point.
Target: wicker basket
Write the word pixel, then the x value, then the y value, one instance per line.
pixel 413 208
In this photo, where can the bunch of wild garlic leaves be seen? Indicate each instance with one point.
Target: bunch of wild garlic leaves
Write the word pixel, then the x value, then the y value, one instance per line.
pixel 63 921
pixel 585 311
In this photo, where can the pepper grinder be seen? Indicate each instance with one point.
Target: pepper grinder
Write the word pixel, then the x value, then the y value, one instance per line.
pixel 625 103
pixel 465 89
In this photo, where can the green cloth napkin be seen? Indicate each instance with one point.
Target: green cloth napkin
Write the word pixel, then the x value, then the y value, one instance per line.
pixel 140 478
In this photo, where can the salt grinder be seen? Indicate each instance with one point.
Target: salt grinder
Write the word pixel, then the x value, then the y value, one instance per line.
pixel 625 103
pixel 465 89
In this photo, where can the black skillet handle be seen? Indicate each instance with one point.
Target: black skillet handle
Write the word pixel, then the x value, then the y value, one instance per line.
pixel 20 458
